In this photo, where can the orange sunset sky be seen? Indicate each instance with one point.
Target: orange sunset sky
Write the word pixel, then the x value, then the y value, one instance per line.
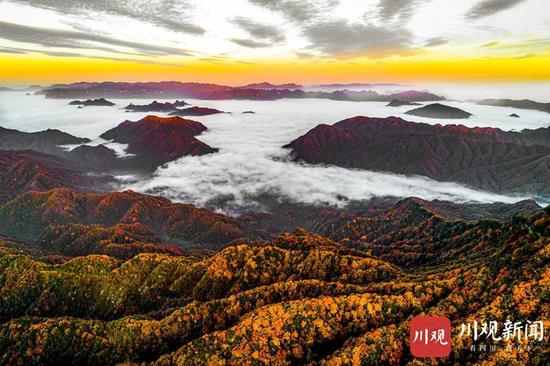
pixel 236 42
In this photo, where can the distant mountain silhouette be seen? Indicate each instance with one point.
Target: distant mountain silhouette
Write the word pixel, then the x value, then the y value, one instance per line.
pixel 266 85
pixel 51 142
pixel 195 111
pixel 520 104
pixel 155 106
pixel 399 103
pixel 175 89
pixel 415 96
pixel 441 111
pixel 93 102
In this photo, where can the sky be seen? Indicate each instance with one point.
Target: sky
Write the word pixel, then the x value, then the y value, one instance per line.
pixel 241 41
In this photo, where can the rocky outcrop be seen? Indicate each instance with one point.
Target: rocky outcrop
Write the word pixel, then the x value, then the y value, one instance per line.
pixel 151 107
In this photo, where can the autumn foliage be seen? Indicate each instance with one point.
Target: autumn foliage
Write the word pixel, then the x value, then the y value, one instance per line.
pixel 299 298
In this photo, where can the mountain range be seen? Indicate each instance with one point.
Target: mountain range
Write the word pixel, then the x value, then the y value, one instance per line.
pixel 261 91
pixel 514 103
pixel 152 141
pixel 485 158
pixel 92 276
pixel 297 297
pixel 92 102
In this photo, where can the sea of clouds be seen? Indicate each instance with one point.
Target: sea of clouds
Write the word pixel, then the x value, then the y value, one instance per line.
pixel 251 162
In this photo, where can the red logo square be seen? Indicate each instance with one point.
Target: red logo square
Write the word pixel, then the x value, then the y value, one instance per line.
pixel 430 336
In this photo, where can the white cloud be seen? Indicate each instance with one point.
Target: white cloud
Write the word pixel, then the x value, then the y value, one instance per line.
pixel 251 164
pixel 280 28
pixel 243 178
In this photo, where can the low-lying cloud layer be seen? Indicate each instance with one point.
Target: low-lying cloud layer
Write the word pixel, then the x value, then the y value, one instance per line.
pixel 242 179
pixel 251 165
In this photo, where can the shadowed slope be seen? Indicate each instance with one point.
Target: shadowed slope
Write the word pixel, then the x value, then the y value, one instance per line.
pixel 96 158
pixel 25 171
pixel 418 233
pixel 30 215
pixel 486 158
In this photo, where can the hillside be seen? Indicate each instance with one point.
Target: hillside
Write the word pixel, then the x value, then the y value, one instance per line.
pixel 25 171
pixel 33 215
pixel 485 158
pixel 156 140
pixel 110 278
pixel 51 142
pixel 47 141
pixel 298 299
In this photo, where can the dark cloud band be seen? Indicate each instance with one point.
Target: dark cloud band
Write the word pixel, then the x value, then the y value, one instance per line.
pixel 489 7
pixel 80 40
pixel 169 14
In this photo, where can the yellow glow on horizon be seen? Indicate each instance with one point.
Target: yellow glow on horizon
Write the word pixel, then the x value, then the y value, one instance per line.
pixel 26 69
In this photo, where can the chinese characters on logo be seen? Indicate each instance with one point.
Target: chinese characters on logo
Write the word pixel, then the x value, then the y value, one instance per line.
pixel 510 330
